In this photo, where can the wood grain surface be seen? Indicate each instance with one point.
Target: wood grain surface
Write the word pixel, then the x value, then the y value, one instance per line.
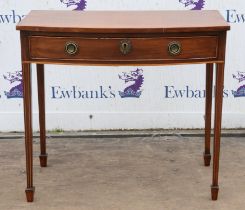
pixel 123 21
pixel 97 37
pixel 143 49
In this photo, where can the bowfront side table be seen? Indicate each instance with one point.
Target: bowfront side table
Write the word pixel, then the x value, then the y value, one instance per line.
pixel 122 38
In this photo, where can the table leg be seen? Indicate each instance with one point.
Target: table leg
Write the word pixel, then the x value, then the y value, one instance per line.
pixel 217 127
pixel 208 113
pixel 41 103
pixel 26 69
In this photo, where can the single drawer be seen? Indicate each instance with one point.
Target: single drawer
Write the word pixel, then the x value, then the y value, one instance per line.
pixel 123 49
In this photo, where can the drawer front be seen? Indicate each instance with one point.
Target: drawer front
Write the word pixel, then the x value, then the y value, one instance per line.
pixel 120 49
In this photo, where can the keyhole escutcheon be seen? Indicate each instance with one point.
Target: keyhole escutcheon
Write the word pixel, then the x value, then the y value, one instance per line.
pixel 125 46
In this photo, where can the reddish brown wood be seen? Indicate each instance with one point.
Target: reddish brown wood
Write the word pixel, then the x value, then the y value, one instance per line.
pixel 222 45
pixel 30 194
pixel 208 112
pixel 108 50
pixel 123 63
pixel 218 114
pixel 214 192
pixel 217 127
pixel 122 35
pixel 124 21
pixel 26 69
pixel 24 46
pixel 202 35
pixel 41 102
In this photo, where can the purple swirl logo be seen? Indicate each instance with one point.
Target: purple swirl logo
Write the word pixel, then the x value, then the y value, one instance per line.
pixel 241 80
pixel 79 4
pixel 16 84
pixel 134 81
pixel 193 4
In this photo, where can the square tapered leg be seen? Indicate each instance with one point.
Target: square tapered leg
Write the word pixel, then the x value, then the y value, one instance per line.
pixel 26 69
pixel 41 103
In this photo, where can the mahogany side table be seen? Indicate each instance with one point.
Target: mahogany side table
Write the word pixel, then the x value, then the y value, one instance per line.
pixel 123 38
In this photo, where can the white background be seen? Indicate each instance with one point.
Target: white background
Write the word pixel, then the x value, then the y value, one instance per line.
pixel 151 110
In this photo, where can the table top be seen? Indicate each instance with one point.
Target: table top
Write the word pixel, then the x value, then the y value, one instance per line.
pixel 159 21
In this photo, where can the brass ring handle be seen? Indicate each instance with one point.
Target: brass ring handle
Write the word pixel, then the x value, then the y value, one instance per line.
pixel 71 48
pixel 125 46
pixel 174 48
